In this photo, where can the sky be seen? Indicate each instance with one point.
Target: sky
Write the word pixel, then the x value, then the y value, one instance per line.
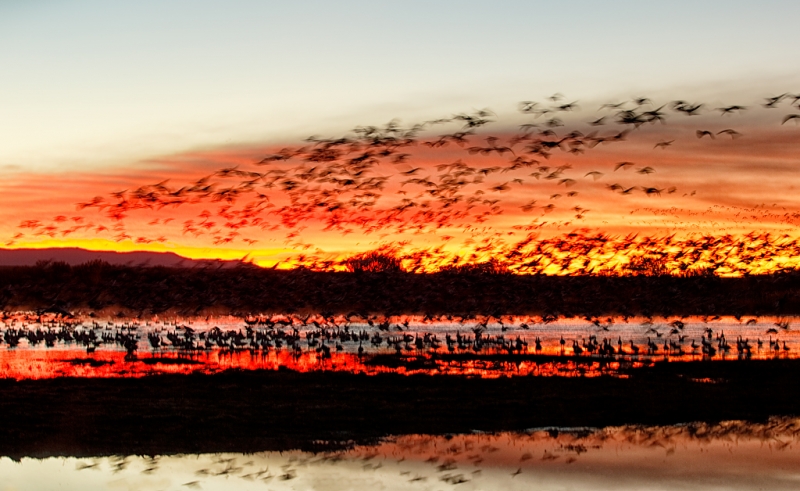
pixel 99 97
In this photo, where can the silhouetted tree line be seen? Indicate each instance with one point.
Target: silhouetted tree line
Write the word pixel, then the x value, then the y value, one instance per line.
pixel 471 290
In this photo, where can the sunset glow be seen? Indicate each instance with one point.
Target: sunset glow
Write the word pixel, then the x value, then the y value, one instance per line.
pixel 546 199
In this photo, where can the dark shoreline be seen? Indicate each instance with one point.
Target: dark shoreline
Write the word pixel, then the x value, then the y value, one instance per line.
pixel 104 289
pixel 239 411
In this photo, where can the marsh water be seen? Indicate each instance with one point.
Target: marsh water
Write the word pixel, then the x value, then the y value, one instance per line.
pixel 728 455
pixel 35 346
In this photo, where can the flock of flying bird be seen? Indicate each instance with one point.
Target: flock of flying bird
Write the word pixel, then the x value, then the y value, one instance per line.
pixel 583 253
pixel 364 183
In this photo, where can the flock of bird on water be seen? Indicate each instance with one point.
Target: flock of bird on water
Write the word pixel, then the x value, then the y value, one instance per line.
pixel 367 335
pixel 364 183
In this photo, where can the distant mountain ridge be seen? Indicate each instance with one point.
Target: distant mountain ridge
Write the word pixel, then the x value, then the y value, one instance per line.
pixel 75 255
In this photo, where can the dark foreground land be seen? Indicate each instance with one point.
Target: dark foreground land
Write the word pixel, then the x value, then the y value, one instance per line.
pixel 139 291
pixel 259 411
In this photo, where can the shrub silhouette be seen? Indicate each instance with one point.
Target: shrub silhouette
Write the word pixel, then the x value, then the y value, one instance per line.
pixel 373 262
pixel 491 266
pixel 647 266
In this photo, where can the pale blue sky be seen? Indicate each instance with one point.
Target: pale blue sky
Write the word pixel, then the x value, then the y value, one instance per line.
pixel 89 83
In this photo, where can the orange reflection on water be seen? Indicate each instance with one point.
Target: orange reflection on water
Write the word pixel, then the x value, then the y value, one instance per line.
pixel 689 454
pixel 22 364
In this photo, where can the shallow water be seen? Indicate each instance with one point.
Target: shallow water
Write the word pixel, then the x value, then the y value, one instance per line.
pixel 731 455
pixel 507 336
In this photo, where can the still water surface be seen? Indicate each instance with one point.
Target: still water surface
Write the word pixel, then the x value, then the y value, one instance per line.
pixel 731 455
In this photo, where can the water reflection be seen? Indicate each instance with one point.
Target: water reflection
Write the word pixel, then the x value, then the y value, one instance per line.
pixel 731 455
pixel 38 364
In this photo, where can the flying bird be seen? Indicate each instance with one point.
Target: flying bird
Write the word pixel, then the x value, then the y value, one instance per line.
pixel 650 191
pixel 730 109
pixel 773 101
pixel 730 132
pixel 663 144
pixel 616 105
pixel 623 165
pixel 790 117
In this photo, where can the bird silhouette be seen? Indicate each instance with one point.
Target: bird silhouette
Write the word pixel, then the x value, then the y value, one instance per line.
pixel 623 165
pixel 791 117
pixel 730 132
pixel 663 144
